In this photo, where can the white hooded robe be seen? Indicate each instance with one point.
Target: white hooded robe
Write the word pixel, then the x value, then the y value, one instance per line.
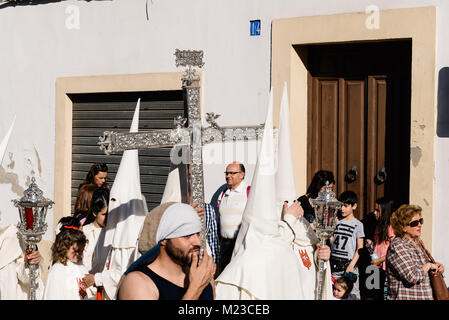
pixel 14 275
pixel 263 265
pixel 117 246
pixel 297 232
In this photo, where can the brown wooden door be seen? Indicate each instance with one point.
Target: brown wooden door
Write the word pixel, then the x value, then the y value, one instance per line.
pixel 347 133
pixel 376 139
pixel 359 115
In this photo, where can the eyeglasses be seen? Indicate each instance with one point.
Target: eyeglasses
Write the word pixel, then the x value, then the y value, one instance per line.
pixel 231 172
pixel 415 223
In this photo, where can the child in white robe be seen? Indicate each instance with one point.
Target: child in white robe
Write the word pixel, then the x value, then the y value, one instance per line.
pixel 64 280
pixel 95 222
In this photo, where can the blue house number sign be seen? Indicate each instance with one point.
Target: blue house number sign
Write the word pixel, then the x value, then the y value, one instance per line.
pixel 255 28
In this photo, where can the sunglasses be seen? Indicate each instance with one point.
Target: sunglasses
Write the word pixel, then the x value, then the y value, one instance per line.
pixel 415 223
pixel 231 172
pixel 101 167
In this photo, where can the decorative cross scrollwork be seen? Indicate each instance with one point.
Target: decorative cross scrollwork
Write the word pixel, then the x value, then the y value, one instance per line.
pixel 193 136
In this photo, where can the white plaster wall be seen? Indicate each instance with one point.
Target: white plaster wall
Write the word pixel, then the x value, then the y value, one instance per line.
pixel 115 37
pixel 441 222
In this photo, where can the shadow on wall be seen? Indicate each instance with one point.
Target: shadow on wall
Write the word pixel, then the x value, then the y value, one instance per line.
pixel 14 3
pixel 443 103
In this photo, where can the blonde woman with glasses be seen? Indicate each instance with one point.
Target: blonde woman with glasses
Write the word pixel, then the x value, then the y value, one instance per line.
pixel 407 266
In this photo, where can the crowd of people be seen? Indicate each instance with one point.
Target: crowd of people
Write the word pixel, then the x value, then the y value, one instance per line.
pixel 260 240
pixel 386 239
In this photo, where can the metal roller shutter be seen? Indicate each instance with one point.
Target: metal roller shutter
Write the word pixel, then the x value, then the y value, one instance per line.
pixel 95 113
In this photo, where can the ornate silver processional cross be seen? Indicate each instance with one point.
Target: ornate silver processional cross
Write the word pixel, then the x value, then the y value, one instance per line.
pixel 188 138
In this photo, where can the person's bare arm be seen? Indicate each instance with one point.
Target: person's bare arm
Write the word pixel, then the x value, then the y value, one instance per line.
pixel 378 261
pixel 354 260
pixel 200 275
pixel 137 286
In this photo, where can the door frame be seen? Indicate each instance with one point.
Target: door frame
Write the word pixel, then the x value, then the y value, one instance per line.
pixel 64 107
pixel 417 24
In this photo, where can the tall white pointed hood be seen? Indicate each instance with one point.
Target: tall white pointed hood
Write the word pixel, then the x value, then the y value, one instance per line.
pixel 285 178
pixel 263 265
pixel 10 249
pixel 4 143
pixel 172 191
pixel 127 180
pixel 3 146
pixel 260 210
pixel 127 205
pixel 304 236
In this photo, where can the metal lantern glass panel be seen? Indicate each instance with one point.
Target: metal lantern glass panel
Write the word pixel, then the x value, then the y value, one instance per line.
pixel 32 213
pixel 326 208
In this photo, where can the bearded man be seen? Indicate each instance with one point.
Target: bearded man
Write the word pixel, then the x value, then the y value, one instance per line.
pixel 175 273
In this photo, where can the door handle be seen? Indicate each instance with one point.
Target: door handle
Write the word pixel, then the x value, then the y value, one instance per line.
pixel 352 175
pixel 381 176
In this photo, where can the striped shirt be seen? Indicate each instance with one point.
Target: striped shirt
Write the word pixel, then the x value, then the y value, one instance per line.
pixel 346 234
pixel 231 209
pixel 406 280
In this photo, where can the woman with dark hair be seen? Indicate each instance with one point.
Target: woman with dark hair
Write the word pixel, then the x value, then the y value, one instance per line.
pixel 83 202
pixel 383 233
pixel 378 240
pixel 95 178
pixel 97 174
pixel 316 185
pixel 95 222
pixel 98 208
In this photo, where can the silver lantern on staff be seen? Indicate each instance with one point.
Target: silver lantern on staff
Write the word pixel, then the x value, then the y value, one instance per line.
pixel 326 207
pixel 32 213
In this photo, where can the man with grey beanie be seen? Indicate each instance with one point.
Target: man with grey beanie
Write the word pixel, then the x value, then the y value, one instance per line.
pixel 170 270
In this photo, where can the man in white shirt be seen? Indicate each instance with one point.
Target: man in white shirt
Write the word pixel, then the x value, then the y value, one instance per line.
pixel 231 205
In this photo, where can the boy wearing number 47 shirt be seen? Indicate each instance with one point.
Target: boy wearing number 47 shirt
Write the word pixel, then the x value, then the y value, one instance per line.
pixel 346 241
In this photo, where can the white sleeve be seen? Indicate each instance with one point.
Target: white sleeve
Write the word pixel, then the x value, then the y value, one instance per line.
pixel 10 288
pixel 327 278
pixel 23 274
pixel 60 285
pixel 286 227
pixel 98 278
pixel 118 262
